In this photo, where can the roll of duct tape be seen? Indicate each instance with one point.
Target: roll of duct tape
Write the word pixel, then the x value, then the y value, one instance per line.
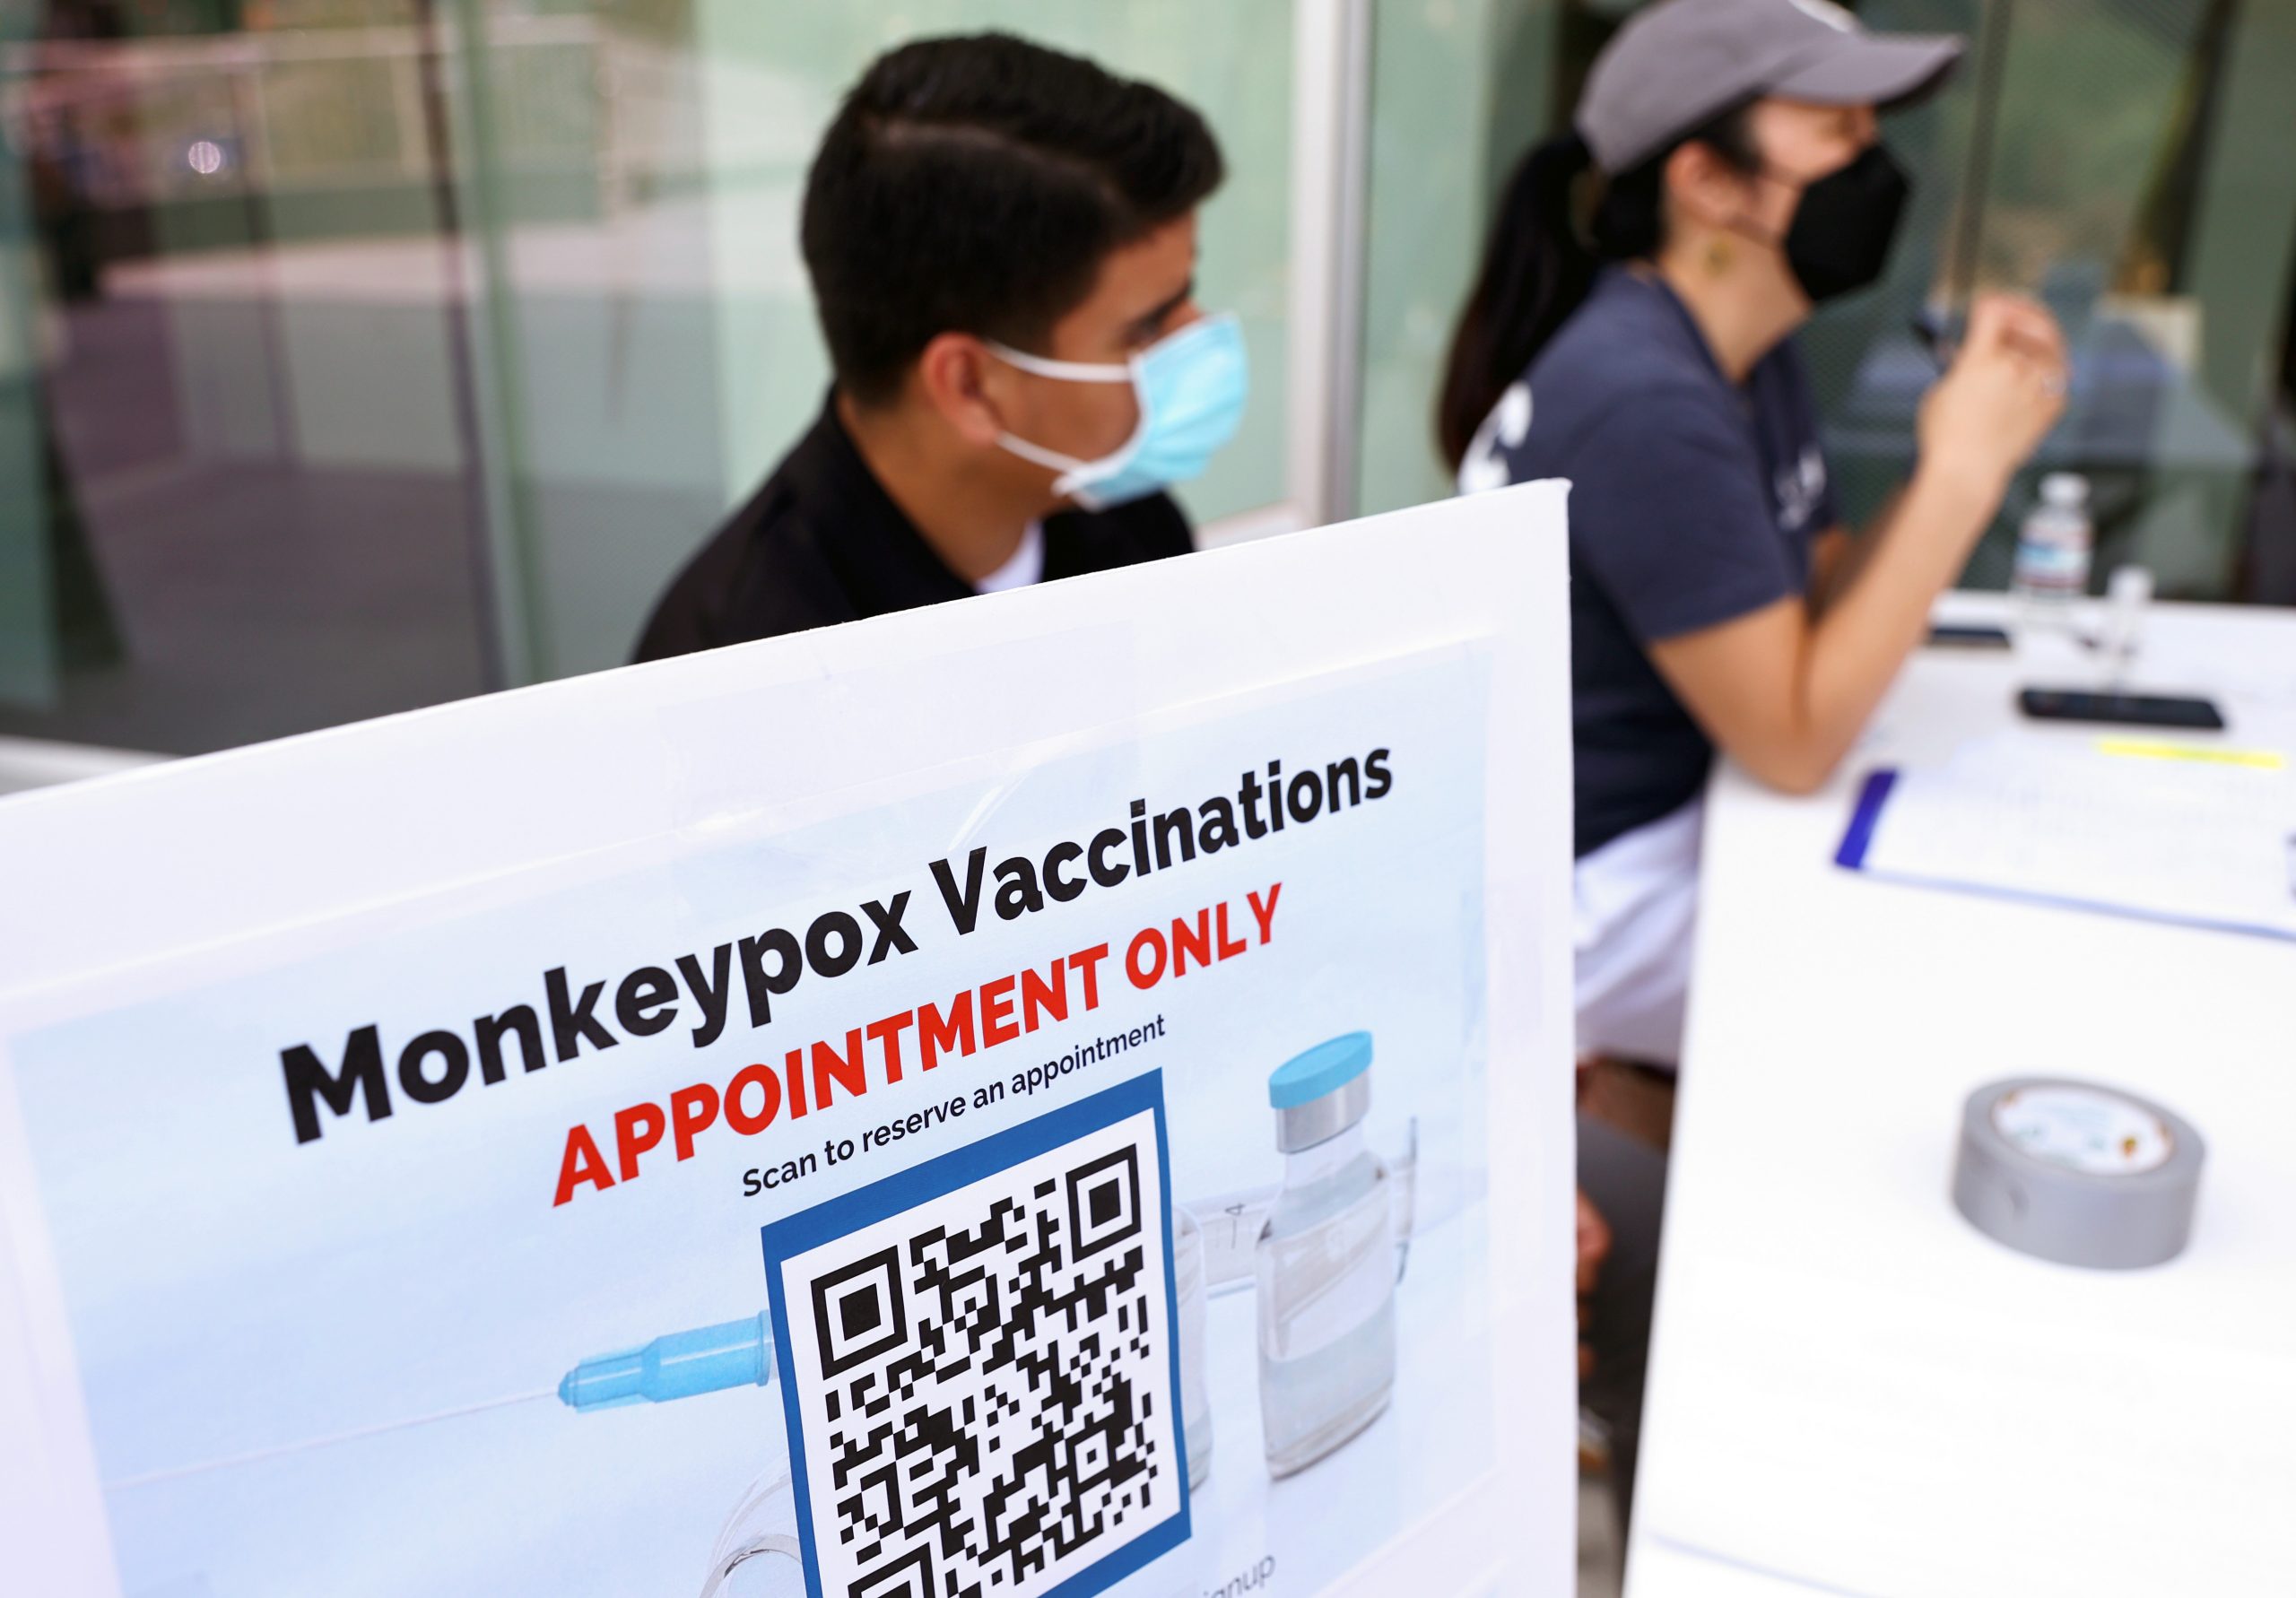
pixel 2077 1173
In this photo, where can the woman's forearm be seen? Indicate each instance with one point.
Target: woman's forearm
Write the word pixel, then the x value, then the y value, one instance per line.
pixel 1785 688
pixel 1880 612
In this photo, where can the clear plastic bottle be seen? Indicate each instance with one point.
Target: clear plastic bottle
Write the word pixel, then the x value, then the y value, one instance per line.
pixel 1326 1262
pixel 2053 548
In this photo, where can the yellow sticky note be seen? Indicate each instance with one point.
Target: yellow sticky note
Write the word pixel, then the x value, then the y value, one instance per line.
pixel 2261 759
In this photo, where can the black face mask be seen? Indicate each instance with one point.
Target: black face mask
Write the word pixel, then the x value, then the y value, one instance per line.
pixel 1845 223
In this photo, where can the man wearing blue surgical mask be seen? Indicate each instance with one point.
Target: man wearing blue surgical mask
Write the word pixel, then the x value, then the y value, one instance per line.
pixel 1001 243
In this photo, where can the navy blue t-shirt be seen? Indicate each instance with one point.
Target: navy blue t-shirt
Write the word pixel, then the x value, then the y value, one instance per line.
pixel 1693 500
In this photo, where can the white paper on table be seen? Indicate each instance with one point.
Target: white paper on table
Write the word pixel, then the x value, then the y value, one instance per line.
pixel 2170 831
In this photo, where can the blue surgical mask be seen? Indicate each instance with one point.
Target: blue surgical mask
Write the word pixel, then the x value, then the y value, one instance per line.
pixel 1191 387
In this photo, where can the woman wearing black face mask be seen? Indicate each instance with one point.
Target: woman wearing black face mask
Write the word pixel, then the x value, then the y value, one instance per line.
pixel 1632 331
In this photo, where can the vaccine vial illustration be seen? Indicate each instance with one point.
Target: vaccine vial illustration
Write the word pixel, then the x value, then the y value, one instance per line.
pixel 1325 1260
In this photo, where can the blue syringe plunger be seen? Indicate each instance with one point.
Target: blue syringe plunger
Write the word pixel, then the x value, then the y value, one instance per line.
pixel 674 1365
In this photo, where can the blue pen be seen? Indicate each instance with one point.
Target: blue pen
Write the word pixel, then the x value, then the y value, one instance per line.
pixel 674 1365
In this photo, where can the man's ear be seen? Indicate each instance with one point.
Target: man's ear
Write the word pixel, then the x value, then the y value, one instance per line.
pixel 962 380
pixel 1704 188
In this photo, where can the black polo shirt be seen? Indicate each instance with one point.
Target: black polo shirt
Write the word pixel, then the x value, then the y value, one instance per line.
pixel 822 542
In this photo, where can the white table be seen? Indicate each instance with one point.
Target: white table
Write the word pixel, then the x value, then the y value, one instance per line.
pixel 1852 1391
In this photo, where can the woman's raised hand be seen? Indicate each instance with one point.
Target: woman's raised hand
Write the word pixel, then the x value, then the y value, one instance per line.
pixel 2002 393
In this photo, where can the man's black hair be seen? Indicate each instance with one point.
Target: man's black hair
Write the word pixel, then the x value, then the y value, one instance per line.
pixel 975 185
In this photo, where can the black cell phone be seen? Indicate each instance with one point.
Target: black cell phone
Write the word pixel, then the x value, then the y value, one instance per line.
pixel 1952 636
pixel 2131 709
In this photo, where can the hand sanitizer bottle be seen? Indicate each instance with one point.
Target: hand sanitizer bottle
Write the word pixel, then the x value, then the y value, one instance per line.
pixel 1326 1262
pixel 2053 545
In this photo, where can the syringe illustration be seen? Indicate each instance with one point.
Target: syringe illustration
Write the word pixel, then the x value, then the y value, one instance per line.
pixel 674 1365
pixel 740 1353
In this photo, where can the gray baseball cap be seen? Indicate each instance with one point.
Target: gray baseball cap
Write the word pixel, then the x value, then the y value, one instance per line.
pixel 1681 62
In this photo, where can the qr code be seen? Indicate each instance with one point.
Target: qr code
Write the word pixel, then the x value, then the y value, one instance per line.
pixel 979 1370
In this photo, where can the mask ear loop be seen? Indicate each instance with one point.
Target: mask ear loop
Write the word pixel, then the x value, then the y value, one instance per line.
pixel 1764 173
pixel 1075 475
pixel 1052 459
pixel 1769 171
pixel 1067 371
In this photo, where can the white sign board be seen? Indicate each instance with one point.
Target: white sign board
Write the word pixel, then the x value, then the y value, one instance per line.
pixel 1064 1093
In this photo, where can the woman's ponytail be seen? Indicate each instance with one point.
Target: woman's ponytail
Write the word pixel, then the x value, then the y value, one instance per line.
pixel 1536 271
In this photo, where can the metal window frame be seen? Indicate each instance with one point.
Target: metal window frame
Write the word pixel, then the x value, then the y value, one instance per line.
pixel 1331 99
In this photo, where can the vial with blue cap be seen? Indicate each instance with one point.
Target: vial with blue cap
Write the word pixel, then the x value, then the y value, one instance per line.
pixel 1326 1261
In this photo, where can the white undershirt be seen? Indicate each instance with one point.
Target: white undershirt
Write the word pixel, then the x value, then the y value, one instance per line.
pixel 1025 567
pixel 1634 908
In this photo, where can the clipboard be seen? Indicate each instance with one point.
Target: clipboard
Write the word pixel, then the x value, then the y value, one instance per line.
pixel 2207 841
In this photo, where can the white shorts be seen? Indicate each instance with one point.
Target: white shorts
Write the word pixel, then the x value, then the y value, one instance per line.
pixel 1636 903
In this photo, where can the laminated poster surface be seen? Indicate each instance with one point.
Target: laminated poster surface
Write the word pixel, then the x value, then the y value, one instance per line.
pixel 799 1120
